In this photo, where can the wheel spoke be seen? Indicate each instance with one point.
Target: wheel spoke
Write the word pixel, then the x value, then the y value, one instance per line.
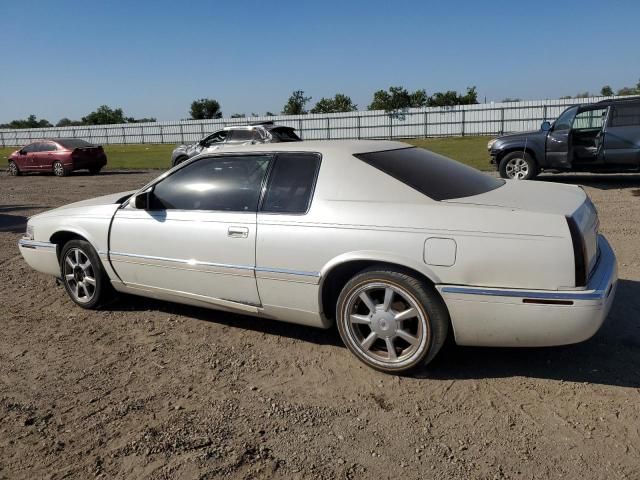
pixel 364 296
pixel 407 337
pixel 77 256
pixel 359 319
pixel 77 289
pixel 368 342
pixel 90 280
pixel 406 314
pixel 391 349
pixel 85 265
pixel 388 298
pixel 70 262
pixel 85 289
pixel 69 277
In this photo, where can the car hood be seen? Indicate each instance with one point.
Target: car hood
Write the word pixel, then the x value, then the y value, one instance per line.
pixel 98 206
pixel 532 196
pixel 521 135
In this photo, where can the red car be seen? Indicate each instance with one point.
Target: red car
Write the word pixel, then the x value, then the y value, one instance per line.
pixel 58 155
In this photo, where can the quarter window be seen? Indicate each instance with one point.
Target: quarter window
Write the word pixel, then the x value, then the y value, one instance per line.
pixel 291 183
pixel 626 115
pixel 231 183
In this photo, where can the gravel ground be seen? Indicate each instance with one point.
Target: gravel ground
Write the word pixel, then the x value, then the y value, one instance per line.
pixel 145 389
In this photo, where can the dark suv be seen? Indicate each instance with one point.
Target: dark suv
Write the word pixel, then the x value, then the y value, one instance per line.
pixel 597 137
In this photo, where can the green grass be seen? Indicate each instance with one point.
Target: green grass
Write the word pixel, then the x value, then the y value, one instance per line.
pixel 469 150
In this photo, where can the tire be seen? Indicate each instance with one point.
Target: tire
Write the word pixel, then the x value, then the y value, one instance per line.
pixel 518 166
pixel 179 160
pixel 368 312
pixel 78 263
pixel 13 169
pixel 95 171
pixel 59 170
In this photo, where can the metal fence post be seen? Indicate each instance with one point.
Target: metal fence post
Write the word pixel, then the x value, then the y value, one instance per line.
pixel 142 134
pixel 328 129
pixel 300 128
pixel 161 135
pixel 544 113
pixel 390 126
pixel 463 117
pixel 181 134
pixel 202 129
pixel 502 121
pixel 426 124
pixel 2 138
pixel 358 125
pixel 124 136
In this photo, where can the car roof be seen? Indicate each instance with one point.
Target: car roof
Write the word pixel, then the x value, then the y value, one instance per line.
pixel 350 147
pixel 614 101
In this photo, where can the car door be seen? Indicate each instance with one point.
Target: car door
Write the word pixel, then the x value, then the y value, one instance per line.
pixel 585 141
pixel 33 152
pixel 46 156
pixel 23 160
pixel 622 136
pixel 557 144
pixel 196 238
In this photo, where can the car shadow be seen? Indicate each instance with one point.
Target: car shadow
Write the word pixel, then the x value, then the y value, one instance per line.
pixel 82 173
pixel 611 357
pixel 12 223
pixel 600 181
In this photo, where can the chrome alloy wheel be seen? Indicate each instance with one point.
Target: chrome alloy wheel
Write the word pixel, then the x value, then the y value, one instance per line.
pixel 13 169
pixel 58 169
pixel 517 168
pixel 79 275
pixel 386 324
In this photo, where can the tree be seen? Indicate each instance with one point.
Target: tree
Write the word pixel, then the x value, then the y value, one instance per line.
pixel 451 98
pixel 509 100
pixel 339 103
pixel 30 122
pixel 65 122
pixel 296 103
pixel 397 98
pixel 269 114
pixel 205 108
pixel 237 115
pixel 606 91
pixel 140 120
pixel 104 115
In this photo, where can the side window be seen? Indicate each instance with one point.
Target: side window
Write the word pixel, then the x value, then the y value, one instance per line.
pixel 48 147
pixel 241 135
pixel 626 115
pixel 231 183
pixel 590 119
pixel 30 148
pixel 217 137
pixel 291 183
pixel 565 119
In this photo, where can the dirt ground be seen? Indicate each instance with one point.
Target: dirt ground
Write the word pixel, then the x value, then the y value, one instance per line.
pixel 145 389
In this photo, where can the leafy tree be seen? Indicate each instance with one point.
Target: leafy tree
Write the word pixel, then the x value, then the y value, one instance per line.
pixel 140 120
pixel 509 100
pixel 397 98
pixel 296 103
pixel 104 115
pixel 269 114
pixel 339 103
pixel 237 115
pixel 205 108
pixel 582 95
pixel 30 122
pixel 65 122
pixel 606 91
pixel 451 98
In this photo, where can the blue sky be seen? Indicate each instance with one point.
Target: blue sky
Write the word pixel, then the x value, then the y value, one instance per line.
pixel 152 58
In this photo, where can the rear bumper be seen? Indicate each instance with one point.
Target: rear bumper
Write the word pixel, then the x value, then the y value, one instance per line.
pixel 533 318
pixel 41 256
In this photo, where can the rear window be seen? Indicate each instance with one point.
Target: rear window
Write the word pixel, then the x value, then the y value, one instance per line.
pixel 433 175
pixel 284 135
pixel 626 115
pixel 72 143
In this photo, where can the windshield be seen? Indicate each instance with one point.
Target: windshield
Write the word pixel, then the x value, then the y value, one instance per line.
pixel 284 135
pixel 433 175
pixel 71 143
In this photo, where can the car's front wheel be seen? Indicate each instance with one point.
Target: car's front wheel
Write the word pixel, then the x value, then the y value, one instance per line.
pixel 13 169
pixel 391 320
pixel 83 275
pixel 518 166
pixel 59 170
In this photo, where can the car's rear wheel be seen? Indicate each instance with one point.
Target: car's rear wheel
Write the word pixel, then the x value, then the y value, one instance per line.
pixel 13 169
pixel 391 320
pixel 59 170
pixel 518 166
pixel 83 275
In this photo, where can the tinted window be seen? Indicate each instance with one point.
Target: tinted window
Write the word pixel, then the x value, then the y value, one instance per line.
pixel 626 115
pixel 284 135
pixel 565 120
pixel 38 147
pixel 217 137
pixel 590 119
pixel 291 183
pixel 230 183
pixel 71 143
pixel 48 147
pixel 30 148
pixel 438 177
pixel 241 135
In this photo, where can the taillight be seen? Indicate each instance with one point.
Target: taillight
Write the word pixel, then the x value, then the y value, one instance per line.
pixel 579 252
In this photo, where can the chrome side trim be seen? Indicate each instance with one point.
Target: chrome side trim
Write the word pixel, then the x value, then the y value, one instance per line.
pixel 193 262
pixel 23 242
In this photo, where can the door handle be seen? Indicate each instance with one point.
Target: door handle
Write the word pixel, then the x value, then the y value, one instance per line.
pixel 238 232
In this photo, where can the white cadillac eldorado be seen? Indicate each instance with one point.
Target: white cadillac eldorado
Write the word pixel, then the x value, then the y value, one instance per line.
pixel 397 245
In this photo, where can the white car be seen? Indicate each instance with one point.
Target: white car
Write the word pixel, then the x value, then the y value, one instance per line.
pixel 397 245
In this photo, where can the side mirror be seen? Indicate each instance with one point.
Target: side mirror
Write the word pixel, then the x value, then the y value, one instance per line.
pixel 545 127
pixel 22 152
pixel 142 201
